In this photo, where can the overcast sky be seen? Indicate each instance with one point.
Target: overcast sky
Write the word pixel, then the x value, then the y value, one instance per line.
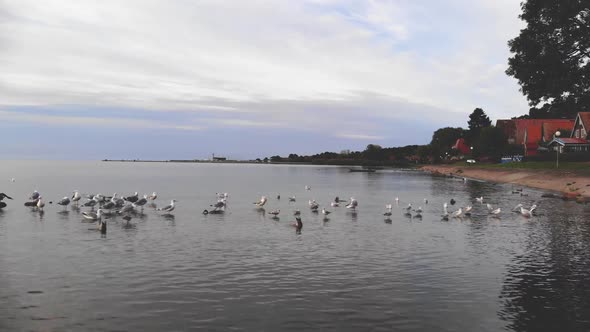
pixel 245 79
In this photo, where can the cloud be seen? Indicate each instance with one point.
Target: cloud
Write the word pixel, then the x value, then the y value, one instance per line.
pixel 64 121
pixel 360 137
pixel 352 67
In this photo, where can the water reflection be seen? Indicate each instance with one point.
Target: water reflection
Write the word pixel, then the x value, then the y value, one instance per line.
pixel 547 288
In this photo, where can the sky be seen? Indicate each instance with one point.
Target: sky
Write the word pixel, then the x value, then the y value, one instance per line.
pixel 180 79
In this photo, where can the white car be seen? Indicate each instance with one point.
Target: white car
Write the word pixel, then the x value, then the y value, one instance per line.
pixel 471 161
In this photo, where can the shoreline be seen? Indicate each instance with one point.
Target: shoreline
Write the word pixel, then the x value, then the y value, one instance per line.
pixel 565 184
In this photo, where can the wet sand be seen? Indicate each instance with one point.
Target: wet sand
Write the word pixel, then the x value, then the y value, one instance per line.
pixel 565 183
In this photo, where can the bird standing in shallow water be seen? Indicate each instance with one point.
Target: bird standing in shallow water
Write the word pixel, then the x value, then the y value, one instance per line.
pixel 168 208
pixel 64 202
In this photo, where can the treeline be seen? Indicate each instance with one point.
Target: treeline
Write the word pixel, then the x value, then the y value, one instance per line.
pixel 481 140
pixel 373 155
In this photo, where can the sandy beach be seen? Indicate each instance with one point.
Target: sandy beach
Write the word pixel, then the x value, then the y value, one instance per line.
pixel 566 184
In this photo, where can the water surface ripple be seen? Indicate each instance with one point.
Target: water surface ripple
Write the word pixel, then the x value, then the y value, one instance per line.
pixel 245 271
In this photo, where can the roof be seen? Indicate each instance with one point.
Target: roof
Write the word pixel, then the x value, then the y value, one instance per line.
pixel 585 117
pixel 570 141
pixel 536 129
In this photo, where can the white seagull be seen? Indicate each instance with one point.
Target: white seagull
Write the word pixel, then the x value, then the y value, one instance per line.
pixel 168 208
pixel 261 202
pixel 353 203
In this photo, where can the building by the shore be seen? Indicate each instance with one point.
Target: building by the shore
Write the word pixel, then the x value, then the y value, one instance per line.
pixel 533 134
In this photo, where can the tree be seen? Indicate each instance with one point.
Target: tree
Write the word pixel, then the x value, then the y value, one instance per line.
pixel 551 57
pixel 374 152
pixel 445 138
pixel 477 120
pixel 491 142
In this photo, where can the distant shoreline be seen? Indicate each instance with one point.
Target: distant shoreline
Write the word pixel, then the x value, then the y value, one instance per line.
pixel 320 163
pixel 206 161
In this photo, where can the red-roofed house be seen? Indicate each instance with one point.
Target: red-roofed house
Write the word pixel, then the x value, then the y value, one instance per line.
pixel 578 140
pixel 581 125
pixel 461 146
pixel 531 132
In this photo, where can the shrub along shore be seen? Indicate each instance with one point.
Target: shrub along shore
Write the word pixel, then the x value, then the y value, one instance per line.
pixel 568 182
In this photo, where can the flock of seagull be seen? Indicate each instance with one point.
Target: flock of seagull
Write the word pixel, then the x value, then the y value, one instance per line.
pixel 107 206
pixel 115 205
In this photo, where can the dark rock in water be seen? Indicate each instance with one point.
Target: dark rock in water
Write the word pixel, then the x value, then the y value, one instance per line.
pixel 35 292
pixel 550 195
pixel 453 201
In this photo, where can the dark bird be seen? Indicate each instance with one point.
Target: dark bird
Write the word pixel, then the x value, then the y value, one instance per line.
pixel 453 201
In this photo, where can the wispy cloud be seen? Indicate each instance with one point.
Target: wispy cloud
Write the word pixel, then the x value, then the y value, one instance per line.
pixel 64 121
pixel 361 137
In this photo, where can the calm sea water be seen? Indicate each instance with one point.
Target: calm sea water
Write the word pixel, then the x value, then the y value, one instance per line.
pixel 245 271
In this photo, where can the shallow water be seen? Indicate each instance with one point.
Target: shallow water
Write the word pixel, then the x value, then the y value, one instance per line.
pixel 244 270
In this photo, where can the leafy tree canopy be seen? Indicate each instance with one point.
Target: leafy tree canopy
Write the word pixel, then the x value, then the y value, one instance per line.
pixel 551 57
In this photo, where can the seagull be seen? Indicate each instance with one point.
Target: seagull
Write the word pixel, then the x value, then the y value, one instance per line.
pixel 35 195
pixel 153 196
pixel 102 226
pixel 108 205
pixel 307 188
pixel 325 212
pixel 313 205
pixel 141 202
pixel 128 208
pixel 517 207
pixel 409 207
pixel 119 202
pixel 445 215
pixel 388 212
pixel 275 212
pixel 467 210
pixel 479 199
pixel 528 213
pixel 496 212
pixel 64 202
pixel 334 204
pixel 418 210
pixel 76 197
pixel 219 206
pixel 353 203
pixel 396 200
pixel 133 198
pixel 292 199
pixel 40 203
pixel 3 196
pixel 168 208
pixel 490 207
pixel 425 201
pixel 298 224
pixel 92 215
pixel 91 203
pixel 296 213
pixel 261 202
pixel 458 213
